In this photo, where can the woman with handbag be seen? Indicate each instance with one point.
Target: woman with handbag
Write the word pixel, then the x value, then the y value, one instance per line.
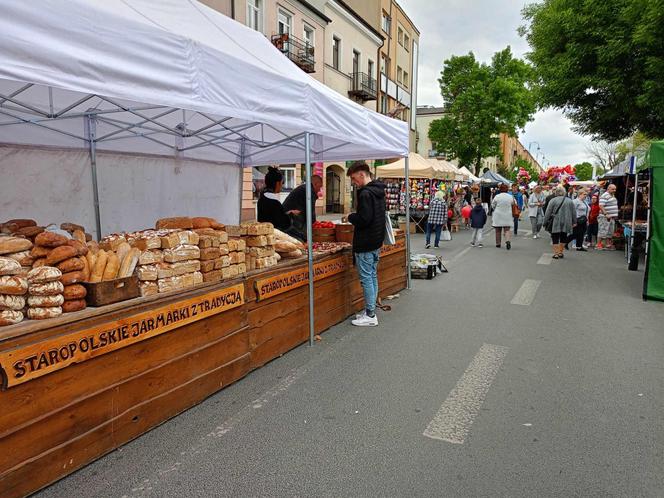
pixel 503 217
pixel 582 212
pixel 437 218
pixel 559 220
pixel 518 207
pixel 536 210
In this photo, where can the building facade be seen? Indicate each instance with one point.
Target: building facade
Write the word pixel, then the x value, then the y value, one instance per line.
pixel 365 50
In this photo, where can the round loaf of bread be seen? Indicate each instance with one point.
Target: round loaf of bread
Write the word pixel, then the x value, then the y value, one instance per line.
pixel 71 264
pixel 10 317
pixel 81 248
pixel 72 277
pixel 15 303
pixel 40 252
pixel 75 291
pixel 73 305
pixel 44 313
pixel 50 239
pixel 12 285
pixel 9 245
pixel 48 289
pixel 45 301
pixel 9 266
pixel 44 274
pixel 61 253
pixel 24 258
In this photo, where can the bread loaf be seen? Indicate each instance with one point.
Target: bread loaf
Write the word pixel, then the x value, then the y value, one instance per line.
pixel 60 253
pixel 129 263
pixel 147 272
pixel 71 264
pixel 148 288
pixel 112 267
pixel 10 317
pixel 80 236
pixel 284 246
pixel 242 269
pixel 207 266
pixel 15 303
pixel 81 247
pixel 9 245
pixel 73 305
pixel 91 258
pixel 28 232
pixel 50 239
pixel 210 253
pixel 48 289
pixel 223 262
pixel 24 258
pixel 165 270
pixel 99 266
pixel 86 269
pixel 213 276
pixel 9 266
pixel 22 222
pixel 44 274
pixel 293 254
pixel 182 223
pixel 40 251
pixel 39 263
pixel 72 277
pixel 44 313
pixel 74 291
pixel 151 257
pixel 93 246
pixel 45 301
pixel 72 227
pixel 14 286
pixel 181 253
pixel 122 251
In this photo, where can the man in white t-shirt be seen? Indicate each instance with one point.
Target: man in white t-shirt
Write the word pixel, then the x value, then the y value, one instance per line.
pixel 608 213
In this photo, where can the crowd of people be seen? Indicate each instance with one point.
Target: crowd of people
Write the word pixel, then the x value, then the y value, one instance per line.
pixel 576 218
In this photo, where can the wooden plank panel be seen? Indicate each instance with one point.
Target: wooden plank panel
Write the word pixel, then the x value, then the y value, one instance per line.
pixel 76 419
pixel 41 396
pixel 50 466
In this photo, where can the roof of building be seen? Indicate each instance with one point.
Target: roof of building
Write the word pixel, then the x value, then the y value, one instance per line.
pixel 421 111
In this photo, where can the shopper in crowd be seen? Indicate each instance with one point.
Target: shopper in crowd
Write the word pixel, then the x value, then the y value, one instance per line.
pixel 477 222
pixel 269 207
pixel 562 214
pixel 518 197
pixel 536 210
pixel 592 221
pixel 608 213
pixel 297 201
pixel 369 222
pixel 437 218
pixel 502 215
pixel 582 213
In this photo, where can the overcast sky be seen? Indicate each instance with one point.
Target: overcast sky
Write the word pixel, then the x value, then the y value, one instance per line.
pixel 456 27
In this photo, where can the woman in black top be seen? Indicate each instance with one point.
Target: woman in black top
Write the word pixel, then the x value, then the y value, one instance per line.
pixel 270 208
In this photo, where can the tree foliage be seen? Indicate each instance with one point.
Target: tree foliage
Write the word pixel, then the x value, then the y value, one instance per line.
pixel 521 163
pixel 481 101
pixel 601 62
pixel 584 171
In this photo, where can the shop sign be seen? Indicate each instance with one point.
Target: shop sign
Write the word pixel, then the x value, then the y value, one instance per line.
pixel 284 282
pixel 398 246
pixel 35 360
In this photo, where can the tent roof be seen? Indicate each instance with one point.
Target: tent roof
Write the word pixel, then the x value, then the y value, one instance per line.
pixel 418 167
pixel 469 174
pixel 491 177
pixel 171 77
pixel 655 155
pixel 447 170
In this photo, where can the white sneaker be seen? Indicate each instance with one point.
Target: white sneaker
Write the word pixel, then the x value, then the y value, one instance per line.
pixel 360 314
pixel 535 237
pixel 365 321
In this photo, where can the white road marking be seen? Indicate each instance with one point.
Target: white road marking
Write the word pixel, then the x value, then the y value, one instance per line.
pixel 457 413
pixel 526 293
pixel 461 254
pixel 545 259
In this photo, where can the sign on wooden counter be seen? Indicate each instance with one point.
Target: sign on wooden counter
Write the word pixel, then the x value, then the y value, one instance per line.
pixel 284 282
pixel 35 360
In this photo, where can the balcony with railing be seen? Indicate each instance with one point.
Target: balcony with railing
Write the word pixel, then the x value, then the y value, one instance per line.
pixel 298 51
pixel 363 87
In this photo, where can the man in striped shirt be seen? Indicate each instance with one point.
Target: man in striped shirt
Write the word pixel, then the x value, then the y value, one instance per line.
pixel 608 213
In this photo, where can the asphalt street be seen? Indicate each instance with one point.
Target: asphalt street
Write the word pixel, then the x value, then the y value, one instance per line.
pixel 512 375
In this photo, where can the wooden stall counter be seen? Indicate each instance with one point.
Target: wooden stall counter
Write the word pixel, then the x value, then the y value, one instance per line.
pixel 78 386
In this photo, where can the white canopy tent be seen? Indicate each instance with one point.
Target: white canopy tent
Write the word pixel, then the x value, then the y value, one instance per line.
pixel 465 171
pixel 418 168
pixel 176 79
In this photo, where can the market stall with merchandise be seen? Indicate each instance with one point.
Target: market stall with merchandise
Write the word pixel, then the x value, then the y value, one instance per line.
pixel 123 331
pixel 653 283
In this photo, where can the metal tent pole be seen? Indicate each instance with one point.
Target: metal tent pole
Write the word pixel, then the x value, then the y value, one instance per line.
pixel 633 262
pixel 408 278
pixel 310 250
pixel 91 134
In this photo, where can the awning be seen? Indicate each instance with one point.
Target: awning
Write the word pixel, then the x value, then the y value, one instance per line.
pixel 468 173
pixel 172 77
pixel 492 178
pixel 418 168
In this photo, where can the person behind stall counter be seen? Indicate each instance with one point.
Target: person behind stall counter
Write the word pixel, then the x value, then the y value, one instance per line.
pixel 297 201
pixel 270 209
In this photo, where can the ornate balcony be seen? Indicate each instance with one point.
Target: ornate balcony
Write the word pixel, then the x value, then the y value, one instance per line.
pixel 298 51
pixel 363 87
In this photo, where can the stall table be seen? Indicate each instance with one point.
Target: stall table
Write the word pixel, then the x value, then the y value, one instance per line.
pixel 81 385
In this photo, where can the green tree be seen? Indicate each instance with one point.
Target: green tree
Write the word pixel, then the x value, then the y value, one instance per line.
pixel 481 101
pixel 601 62
pixel 519 163
pixel 584 171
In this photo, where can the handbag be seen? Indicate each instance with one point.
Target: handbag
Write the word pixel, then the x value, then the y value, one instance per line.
pixel 516 212
pixel 549 224
pixel 445 235
pixel 389 239
pixel 581 220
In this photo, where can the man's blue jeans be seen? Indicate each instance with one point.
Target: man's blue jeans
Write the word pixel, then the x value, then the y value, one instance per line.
pixel 367 269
